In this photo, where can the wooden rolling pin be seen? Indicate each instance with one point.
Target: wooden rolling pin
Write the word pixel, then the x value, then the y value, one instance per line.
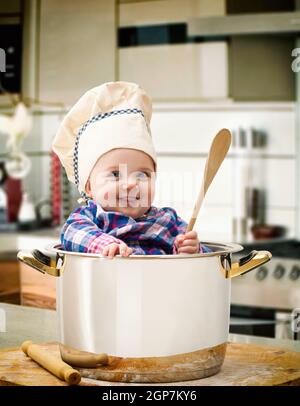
pixel 53 364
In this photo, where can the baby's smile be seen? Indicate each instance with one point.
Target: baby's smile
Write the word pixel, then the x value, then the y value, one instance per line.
pixel 123 198
pixel 129 200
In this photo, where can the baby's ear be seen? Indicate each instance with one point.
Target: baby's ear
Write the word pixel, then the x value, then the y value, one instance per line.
pixel 88 187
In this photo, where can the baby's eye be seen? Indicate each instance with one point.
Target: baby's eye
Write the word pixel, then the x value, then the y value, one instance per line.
pixel 142 175
pixel 115 174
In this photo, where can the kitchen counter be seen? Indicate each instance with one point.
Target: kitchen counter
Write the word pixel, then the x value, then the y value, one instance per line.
pixel 20 323
pixel 247 362
pixel 40 325
pixel 12 242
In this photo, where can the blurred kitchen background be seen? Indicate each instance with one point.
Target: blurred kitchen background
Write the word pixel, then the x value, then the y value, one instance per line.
pixel 207 64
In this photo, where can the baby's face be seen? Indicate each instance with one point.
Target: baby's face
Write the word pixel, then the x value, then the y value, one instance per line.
pixel 123 180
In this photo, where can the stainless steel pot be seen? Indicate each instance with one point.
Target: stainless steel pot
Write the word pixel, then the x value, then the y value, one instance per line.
pixel 164 317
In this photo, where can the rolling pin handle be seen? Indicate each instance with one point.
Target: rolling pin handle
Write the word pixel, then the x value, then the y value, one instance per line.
pixel 25 346
pixel 72 377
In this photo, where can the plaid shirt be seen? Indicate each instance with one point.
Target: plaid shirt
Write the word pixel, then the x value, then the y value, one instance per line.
pixel 89 229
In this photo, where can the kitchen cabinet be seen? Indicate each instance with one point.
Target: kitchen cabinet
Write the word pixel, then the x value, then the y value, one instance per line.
pixel 173 67
pixel 260 68
pixel 133 13
pixel 10 7
pixel 10 281
pixel 258 6
pixel 177 71
pixel 70 47
pixel 37 289
pixel 20 284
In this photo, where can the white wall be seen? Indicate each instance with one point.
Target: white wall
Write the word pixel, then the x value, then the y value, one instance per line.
pixel 183 134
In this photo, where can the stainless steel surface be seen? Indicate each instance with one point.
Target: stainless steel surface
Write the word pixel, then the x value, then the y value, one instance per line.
pixel 270 295
pixel 275 285
pixel 41 325
pixel 137 306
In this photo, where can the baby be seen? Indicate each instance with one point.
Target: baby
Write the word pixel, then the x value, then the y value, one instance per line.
pixel 106 147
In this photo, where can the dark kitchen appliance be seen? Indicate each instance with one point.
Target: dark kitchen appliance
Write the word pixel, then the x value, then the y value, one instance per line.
pixel 266 301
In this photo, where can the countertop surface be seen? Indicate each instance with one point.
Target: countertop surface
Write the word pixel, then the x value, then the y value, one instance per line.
pixel 12 242
pixel 20 323
pixel 248 361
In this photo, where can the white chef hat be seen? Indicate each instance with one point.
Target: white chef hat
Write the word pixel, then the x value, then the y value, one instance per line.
pixel 113 115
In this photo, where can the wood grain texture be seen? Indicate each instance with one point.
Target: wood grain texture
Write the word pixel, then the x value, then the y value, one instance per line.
pixel 10 282
pixel 181 367
pixel 37 289
pixel 244 365
pixel 216 155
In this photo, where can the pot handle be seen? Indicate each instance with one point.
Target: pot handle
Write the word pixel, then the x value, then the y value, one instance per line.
pixel 41 262
pixel 245 264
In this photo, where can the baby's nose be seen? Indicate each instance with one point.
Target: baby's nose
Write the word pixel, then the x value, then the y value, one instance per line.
pixel 130 184
pixel 132 181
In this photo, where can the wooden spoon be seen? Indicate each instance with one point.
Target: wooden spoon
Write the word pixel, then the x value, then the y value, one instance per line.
pixel 218 150
pixel 81 359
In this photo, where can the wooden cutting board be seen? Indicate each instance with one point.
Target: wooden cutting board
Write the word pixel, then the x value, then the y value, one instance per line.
pixel 245 364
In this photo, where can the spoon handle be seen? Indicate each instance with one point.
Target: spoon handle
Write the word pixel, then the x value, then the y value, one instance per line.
pixel 217 152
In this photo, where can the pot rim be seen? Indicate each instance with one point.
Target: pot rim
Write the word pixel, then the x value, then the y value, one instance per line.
pixel 222 248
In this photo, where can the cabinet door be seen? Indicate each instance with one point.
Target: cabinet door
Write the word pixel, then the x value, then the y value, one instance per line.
pixel 77 45
pixel 260 68
pixel 178 72
pixel 37 289
pixel 10 282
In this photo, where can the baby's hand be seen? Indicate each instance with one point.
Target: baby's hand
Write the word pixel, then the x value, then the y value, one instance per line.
pixel 187 243
pixel 113 249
